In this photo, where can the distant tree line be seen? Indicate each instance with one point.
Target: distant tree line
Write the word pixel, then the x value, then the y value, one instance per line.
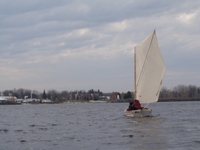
pixel 55 95
pixel 178 92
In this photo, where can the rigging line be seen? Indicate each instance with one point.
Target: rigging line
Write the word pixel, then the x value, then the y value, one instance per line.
pixel 146 105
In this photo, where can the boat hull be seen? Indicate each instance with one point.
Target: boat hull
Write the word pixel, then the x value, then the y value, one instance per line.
pixel 138 113
pixel 8 103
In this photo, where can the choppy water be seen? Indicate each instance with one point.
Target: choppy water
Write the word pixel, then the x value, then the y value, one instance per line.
pixel 99 126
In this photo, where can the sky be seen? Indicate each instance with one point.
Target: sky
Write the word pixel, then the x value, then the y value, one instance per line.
pixel 82 45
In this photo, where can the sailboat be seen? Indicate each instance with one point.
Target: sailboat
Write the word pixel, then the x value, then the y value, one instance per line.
pixel 149 71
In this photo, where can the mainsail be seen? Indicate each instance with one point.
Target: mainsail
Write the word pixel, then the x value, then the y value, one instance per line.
pixel 149 70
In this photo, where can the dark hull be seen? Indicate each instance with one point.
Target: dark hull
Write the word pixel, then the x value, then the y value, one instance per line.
pixel 9 103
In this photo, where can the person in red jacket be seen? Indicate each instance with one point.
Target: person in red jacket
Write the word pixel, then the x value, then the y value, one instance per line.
pixel 135 105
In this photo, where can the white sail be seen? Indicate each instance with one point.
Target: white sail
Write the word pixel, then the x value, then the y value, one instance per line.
pixel 149 70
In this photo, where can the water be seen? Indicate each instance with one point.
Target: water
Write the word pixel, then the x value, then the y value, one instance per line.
pixel 99 126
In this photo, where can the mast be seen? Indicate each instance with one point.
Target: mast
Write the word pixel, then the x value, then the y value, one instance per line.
pixel 135 91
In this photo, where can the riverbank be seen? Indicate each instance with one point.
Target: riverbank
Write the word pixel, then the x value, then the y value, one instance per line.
pixel 179 99
pixel 160 100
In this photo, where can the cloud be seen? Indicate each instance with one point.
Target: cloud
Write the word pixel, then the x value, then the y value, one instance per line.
pixel 186 17
pixel 76 44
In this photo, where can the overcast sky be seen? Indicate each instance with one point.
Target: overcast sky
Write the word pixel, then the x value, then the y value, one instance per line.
pixel 88 44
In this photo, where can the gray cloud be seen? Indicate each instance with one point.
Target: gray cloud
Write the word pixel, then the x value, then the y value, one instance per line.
pixel 69 45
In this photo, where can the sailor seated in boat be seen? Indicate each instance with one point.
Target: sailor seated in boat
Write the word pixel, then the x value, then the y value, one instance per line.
pixel 135 105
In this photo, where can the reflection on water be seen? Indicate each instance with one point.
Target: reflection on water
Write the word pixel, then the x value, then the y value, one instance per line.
pixel 146 133
pixel 99 126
